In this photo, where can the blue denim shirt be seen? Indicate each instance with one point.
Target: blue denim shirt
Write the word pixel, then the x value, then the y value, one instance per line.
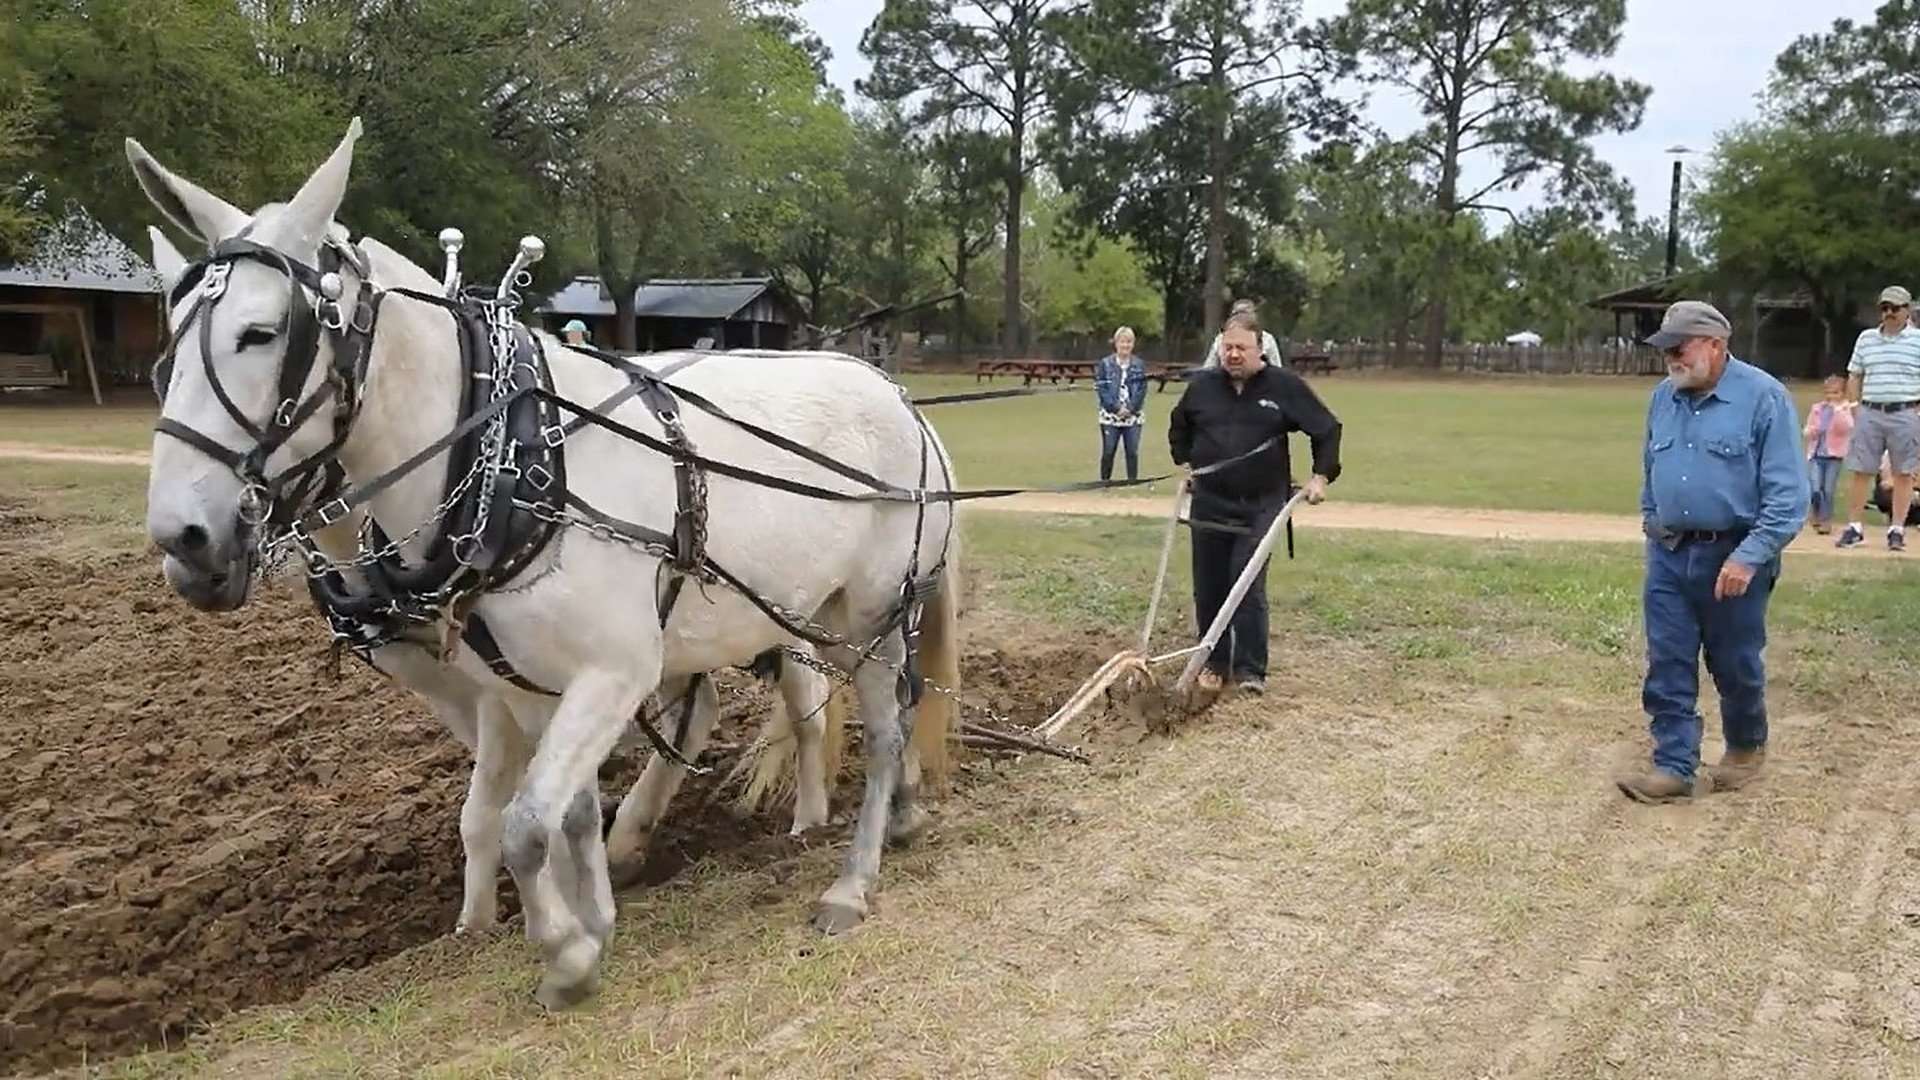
pixel 1728 459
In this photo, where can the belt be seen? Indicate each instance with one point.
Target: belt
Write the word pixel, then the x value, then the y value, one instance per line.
pixel 1890 406
pixel 1673 538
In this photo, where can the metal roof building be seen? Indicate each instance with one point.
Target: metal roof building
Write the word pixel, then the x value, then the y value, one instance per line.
pixel 677 313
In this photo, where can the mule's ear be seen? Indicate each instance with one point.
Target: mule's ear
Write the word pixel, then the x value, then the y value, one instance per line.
pixel 309 215
pixel 166 259
pixel 184 202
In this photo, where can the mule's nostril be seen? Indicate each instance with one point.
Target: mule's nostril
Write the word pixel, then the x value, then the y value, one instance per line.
pixel 193 538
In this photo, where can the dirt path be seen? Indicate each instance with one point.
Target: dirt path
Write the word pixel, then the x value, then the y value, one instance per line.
pixel 1524 525
pixel 79 455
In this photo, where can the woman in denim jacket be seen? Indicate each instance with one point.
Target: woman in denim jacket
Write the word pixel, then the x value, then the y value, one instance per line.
pixel 1120 381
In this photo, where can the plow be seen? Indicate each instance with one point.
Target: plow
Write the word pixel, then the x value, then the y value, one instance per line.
pixel 1131 679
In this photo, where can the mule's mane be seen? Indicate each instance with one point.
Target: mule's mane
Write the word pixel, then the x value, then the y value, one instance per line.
pixel 394 270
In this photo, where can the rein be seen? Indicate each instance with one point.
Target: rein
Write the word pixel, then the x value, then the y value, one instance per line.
pixel 506 495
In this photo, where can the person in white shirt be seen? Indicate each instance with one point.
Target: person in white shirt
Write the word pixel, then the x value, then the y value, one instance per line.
pixel 1269 348
pixel 1883 382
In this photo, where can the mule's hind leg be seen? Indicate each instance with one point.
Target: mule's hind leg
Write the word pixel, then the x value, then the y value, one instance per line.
pixel 589 721
pixel 906 818
pixel 805 693
pixel 640 812
pixel 846 902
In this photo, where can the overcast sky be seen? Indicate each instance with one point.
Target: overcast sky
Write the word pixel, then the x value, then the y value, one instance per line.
pixel 1705 60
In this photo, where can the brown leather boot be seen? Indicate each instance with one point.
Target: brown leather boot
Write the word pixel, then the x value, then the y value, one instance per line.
pixel 1737 767
pixel 1660 786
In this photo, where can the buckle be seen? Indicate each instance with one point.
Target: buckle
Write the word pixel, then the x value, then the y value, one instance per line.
pixel 553 435
pixel 466 549
pixel 283 416
pixel 538 475
pixel 332 512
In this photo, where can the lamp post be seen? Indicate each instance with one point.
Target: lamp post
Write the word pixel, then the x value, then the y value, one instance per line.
pixel 1673 211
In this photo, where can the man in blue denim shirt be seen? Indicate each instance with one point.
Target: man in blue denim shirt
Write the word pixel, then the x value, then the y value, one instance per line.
pixel 1723 491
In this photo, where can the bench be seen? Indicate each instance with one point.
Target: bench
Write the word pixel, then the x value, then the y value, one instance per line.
pixel 29 369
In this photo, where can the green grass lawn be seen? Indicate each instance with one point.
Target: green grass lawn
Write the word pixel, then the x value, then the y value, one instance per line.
pixel 1449 609
pixel 1569 444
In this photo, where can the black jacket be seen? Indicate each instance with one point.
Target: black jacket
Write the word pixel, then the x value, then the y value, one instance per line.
pixel 1214 422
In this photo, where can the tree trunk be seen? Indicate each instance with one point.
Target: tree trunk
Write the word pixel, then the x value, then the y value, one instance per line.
pixel 1215 298
pixel 897 273
pixel 621 286
pixel 961 257
pixel 625 332
pixel 1442 283
pixel 1016 190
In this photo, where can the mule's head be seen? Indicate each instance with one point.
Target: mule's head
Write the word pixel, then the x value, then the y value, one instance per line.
pixel 241 389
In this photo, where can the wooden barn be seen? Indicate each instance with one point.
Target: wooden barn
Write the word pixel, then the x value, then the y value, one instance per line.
pixel 84 311
pixel 679 313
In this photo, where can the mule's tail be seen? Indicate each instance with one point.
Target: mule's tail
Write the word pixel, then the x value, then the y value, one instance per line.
pixel 769 763
pixel 938 717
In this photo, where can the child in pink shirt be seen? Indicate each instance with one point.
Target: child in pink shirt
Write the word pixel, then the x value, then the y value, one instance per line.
pixel 1829 427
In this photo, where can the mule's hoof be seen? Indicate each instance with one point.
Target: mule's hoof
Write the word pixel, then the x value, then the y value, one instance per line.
pixel 573 974
pixel 904 828
pixel 836 919
pixel 625 873
pixel 477 928
pixel 557 995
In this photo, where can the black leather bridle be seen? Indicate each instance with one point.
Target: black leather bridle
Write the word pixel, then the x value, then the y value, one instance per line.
pixel 313 307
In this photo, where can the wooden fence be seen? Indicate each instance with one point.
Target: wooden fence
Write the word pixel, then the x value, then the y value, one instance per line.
pixel 1505 359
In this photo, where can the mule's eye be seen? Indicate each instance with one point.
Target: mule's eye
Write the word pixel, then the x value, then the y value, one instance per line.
pixel 255 335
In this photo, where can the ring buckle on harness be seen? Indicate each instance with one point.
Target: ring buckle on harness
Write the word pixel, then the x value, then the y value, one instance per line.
pixel 553 435
pixel 256 503
pixel 283 416
pixel 466 549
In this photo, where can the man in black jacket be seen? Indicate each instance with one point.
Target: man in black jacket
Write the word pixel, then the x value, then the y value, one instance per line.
pixel 1246 406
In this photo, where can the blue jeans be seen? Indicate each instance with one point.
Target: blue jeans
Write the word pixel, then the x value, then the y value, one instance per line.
pixel 1114 435
pixel 1824 479
pixel 1682 619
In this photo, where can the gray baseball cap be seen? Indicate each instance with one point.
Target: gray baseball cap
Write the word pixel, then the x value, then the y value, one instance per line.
pixel 1894 294
pixel 1690 319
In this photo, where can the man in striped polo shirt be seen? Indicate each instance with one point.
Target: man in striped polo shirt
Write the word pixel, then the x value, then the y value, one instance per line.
pixel 1884 379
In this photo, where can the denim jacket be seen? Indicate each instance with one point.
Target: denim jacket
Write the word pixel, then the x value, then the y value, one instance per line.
pixel 1117 392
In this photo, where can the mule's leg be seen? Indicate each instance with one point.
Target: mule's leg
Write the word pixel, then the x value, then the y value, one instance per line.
pixel 845 902
pixel 805 693
pixel 499 755
pixel 907 818
pixel 592 891
pixel 589 721
pixel 640 812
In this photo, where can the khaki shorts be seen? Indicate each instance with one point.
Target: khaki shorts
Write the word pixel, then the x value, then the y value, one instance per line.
pixel 1895 434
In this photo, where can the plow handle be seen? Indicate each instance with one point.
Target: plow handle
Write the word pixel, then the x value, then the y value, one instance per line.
pixel 1166 549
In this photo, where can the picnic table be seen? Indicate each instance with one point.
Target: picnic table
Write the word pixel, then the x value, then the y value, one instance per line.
pixel 1315 363
pixel 1057 371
